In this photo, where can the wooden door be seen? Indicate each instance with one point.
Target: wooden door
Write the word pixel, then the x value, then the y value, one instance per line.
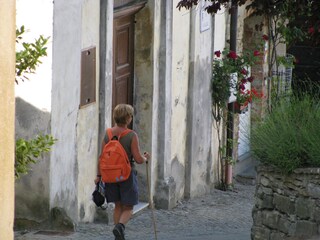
pixel 123 54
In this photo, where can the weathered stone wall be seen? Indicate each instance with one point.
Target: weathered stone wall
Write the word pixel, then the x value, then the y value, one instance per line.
pixel 286 206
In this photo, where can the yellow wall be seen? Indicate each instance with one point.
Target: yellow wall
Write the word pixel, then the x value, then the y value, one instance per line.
pixel 180 72
pixel 7 106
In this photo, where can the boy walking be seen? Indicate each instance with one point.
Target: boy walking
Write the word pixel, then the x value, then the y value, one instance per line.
pixel 124 194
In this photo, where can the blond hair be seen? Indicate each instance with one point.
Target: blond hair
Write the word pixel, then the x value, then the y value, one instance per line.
pixel 122 112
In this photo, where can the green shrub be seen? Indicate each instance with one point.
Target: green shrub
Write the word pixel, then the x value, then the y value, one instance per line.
pixel 27 152
pixel 289 137
pixel 28 58
pixel 29 54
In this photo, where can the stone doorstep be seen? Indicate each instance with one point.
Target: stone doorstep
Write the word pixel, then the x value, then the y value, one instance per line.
pixel 139 207
pixel 245 169
pixel 247 177
pixel 107 214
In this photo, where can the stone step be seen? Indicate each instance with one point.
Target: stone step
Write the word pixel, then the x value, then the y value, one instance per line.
pixel 247 177
pixel 139 207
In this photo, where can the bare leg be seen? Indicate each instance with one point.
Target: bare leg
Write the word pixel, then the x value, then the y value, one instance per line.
pixel 126 214
pixel 117 212
pixel 121 215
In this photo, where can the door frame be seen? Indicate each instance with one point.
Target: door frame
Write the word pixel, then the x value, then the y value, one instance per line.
pixel 119 13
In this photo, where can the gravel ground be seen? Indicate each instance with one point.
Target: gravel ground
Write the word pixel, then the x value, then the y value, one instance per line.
pixel 220 215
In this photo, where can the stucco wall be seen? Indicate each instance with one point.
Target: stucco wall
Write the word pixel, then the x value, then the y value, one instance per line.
pixel 7 109
pixel 182 55
pixel 179 85
pixel 88 121
pixel 65 105
pixel 74 157
pixel 143 89
pixel 220 28
pixel 199 162
pixel 156 21
pixel 33 106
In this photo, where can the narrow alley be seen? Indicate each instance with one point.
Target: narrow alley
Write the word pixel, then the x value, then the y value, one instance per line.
pixel 221 215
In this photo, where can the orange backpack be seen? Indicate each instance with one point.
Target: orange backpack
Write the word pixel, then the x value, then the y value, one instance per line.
pixel 114 163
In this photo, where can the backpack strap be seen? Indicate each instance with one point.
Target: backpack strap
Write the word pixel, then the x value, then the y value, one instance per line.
pixel 110 135
pixel 125 132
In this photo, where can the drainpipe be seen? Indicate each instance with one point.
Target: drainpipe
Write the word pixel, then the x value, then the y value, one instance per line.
pixel 230 115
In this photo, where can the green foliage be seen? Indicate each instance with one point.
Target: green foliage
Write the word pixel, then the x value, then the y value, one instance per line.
pixel 212 8
pixel 27 152
pixel 28 58
pixel 292 20
pixel 286 61
pixel 289 137
pixel 230 75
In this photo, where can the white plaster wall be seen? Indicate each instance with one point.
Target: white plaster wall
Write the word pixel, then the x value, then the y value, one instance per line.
pixel 74 158
pixel 155 15
pixel 220 22
pixel 87 129
pixel 67 45
pixel 180 76
pixel 201 164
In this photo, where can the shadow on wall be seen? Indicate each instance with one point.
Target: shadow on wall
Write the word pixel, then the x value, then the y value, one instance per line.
pixel 32 190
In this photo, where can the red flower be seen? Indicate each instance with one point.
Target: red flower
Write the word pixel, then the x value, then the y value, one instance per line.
pixel 232 55
pixel 243 71
pixel 242 87
pixel 311 30
pixel 243 80
pixel 217 53
pixel 256 53
pixel 250 79
pixel 256 94
pixel 265 37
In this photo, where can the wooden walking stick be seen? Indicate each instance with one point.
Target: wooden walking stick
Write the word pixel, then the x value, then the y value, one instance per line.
pixel 151 203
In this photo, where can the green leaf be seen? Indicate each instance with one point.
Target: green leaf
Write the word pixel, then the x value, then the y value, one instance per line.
pixel 28 152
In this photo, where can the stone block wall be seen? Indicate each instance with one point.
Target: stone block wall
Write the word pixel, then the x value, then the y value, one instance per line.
pixel 286 206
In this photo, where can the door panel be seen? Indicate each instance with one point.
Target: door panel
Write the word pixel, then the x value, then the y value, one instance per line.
pixel 122 87
pixel 123 54
pixel 123 60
